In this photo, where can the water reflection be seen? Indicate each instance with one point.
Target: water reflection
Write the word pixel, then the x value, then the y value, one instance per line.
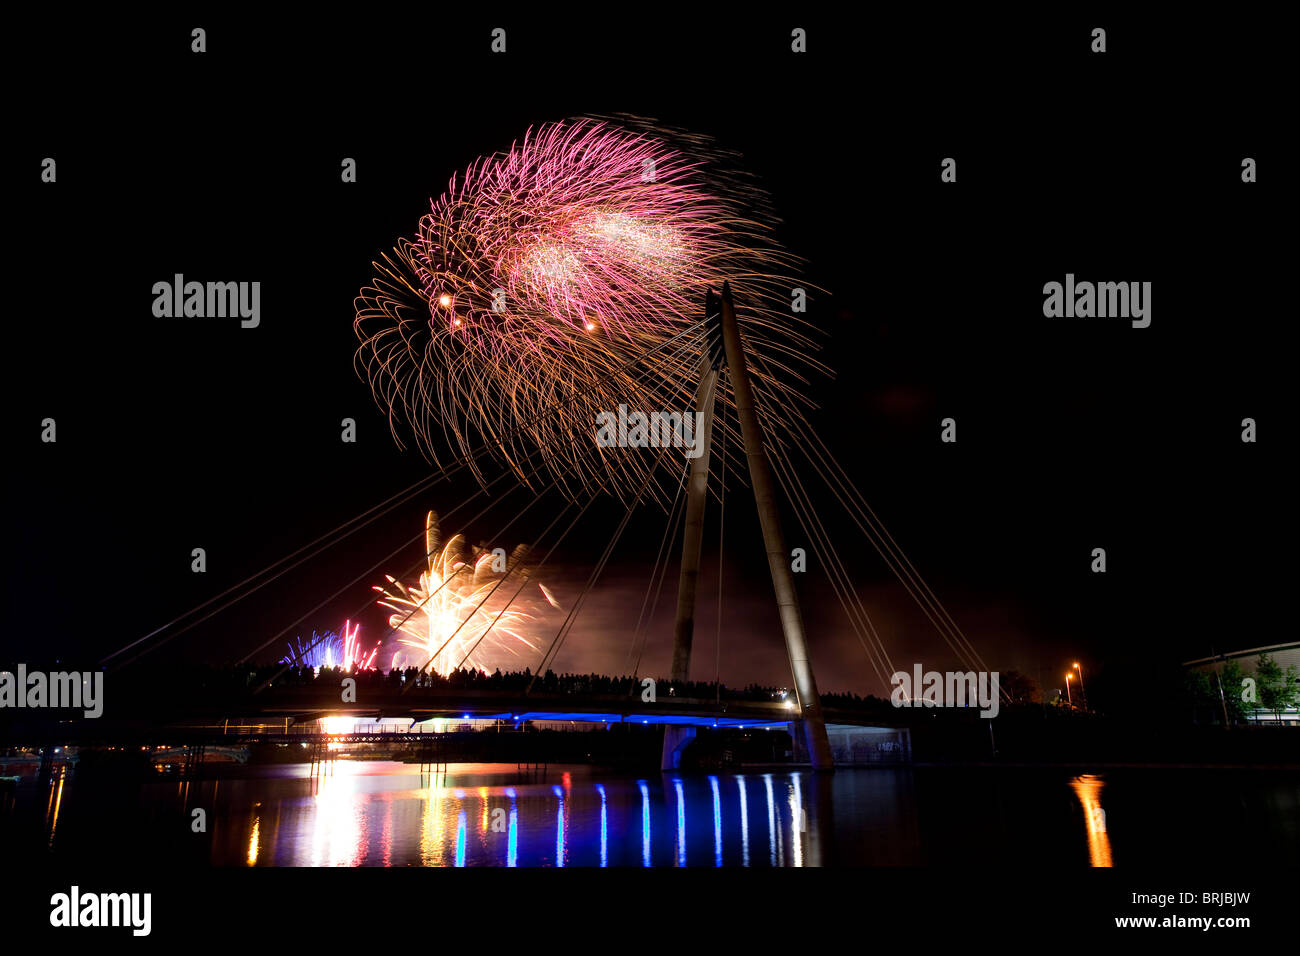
pixel 681 824
pixel 431 826
pixel 1088 789
pixel 460 838
pixel 253 837
pixel 744 821
pixel 798 820
pixel 559 825
pixel 512 848
pixel 338 825
pixel 773 845
pixel 381 814
pixel 56 801
pixel 717 822
pixel 604 826
pixel 387 814
pixel 645 822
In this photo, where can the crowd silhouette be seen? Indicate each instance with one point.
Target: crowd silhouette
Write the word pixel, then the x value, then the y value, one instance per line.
pixel 212 682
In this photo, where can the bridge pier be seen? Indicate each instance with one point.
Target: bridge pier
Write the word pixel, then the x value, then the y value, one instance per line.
pixel 798 742
pixel 677 737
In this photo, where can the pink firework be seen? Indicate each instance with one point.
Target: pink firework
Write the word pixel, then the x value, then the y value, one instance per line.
pixel 354 656
pixel 540 276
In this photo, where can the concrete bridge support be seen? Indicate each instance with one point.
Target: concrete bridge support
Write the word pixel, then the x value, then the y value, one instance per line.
pixel 677 738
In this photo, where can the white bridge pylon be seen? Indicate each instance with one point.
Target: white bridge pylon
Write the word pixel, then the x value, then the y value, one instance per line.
pixel 720 315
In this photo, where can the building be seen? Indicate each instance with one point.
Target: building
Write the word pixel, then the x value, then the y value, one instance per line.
pixel 1284 655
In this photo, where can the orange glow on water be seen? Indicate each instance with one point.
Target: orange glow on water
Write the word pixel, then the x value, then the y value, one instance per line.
pixel 1088 789
pixel 254 841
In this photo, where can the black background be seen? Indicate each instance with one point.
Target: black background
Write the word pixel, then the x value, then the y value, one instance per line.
pixel 175 434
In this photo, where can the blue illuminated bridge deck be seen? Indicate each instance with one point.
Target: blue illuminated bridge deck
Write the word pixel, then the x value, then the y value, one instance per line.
pixel 598 709
pixel 714 720
pixel 294 710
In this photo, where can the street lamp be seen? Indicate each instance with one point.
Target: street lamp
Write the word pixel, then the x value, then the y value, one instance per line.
pixel 1068 695
pixel 1082 690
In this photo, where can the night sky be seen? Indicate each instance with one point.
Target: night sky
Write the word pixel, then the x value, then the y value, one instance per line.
pixel 176 434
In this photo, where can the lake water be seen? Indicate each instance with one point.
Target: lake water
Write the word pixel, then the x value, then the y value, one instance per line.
pixel 386 814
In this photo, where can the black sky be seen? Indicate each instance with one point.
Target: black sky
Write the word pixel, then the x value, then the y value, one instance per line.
pixel 1072 435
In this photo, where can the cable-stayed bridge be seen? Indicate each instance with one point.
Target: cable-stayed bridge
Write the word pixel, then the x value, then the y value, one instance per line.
pixel 743 451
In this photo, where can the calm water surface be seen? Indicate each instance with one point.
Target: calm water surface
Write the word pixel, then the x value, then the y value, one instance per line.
pixel 386 814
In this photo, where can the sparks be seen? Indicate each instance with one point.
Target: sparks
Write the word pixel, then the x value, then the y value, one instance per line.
pixel 480 327
pixel 456 614
pixel 333 650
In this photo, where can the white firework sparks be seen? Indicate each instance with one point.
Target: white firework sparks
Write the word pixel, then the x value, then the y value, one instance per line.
pixel 458 612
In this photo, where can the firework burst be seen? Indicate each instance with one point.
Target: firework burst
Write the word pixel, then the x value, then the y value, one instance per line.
pixel 333 650
pixel 515 312
pixel 457 613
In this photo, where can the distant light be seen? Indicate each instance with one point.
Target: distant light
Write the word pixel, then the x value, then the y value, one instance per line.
pixel 789 705
pixel 464 716
pixel 591 326
pixel 444 301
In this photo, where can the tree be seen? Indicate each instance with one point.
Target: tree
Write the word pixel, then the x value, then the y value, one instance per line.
pixel 1277 688
pixel 1202 690
pixel 1232 676
pixel 1220 690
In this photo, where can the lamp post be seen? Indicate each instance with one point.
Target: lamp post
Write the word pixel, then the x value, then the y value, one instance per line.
pixel 1082 690
pixel 1068 695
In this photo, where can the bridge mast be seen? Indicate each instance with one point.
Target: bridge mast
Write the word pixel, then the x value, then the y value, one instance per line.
pixel 697 493
pixel 812 724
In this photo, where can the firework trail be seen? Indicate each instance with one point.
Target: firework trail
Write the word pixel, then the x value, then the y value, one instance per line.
pixel 333 650
pixel 453 614
pixel 513 314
